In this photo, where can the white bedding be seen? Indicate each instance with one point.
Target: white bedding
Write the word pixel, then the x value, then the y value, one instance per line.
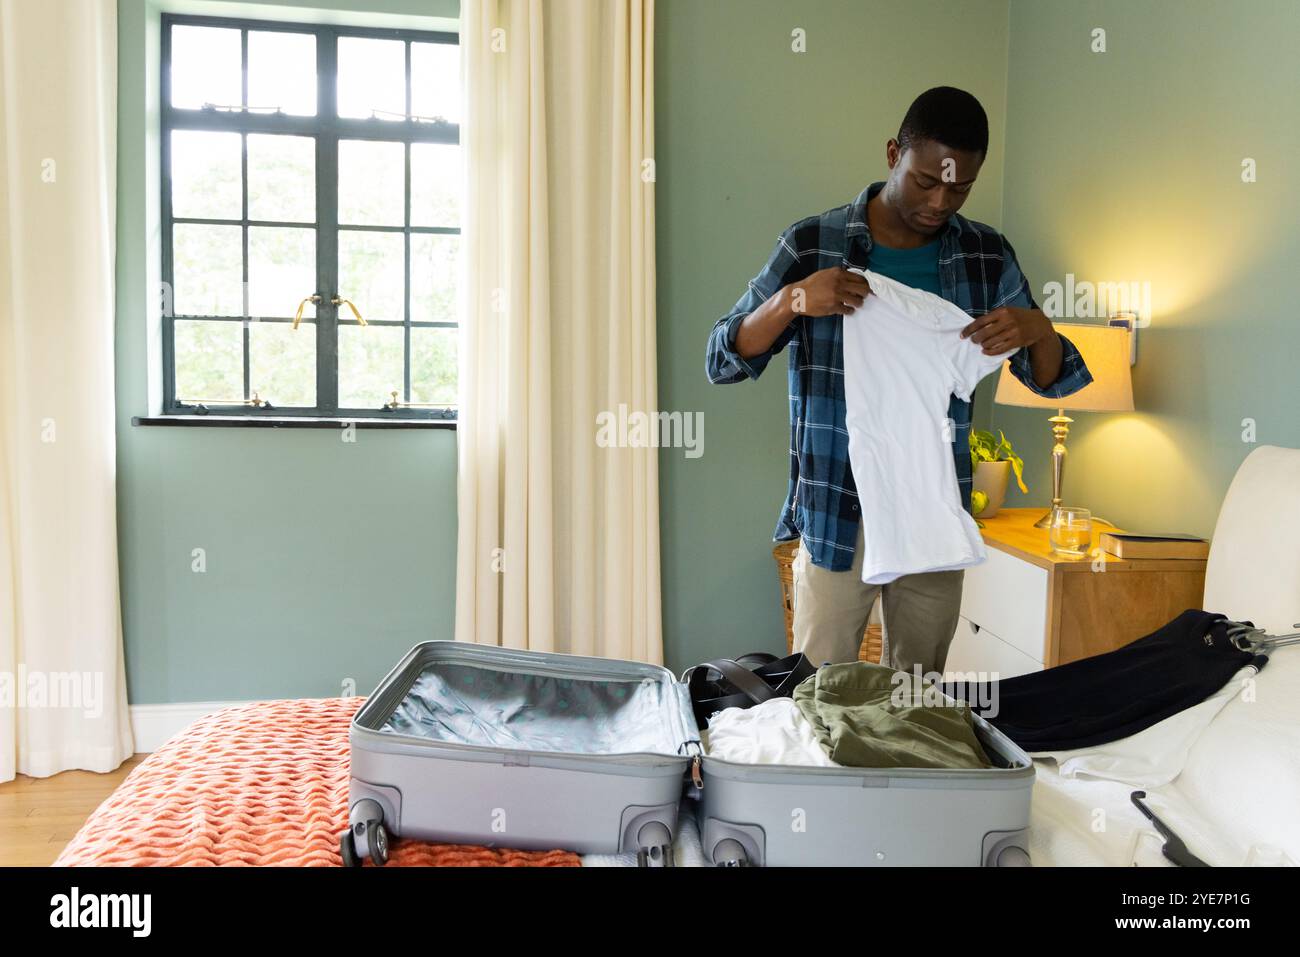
pixel 1236 787
pixel 1080 822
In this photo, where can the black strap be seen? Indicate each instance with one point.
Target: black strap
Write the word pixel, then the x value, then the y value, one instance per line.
pixel 749 684
pixel 740 684
pixel 783 674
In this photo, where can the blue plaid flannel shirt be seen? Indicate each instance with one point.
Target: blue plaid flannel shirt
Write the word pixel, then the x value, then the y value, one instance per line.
pixel 977 271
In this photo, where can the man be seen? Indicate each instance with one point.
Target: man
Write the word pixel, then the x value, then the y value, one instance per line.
pixel 906 228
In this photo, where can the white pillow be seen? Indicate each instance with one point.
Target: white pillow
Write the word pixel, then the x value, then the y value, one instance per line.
pixel 1243 772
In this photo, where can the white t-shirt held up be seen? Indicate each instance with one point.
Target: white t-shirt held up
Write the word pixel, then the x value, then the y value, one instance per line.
pixel 903 358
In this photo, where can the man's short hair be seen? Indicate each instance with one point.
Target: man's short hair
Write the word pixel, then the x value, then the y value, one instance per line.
pixel 948 116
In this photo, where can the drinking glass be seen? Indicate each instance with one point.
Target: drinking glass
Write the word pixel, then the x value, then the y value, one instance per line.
pixel 1071 531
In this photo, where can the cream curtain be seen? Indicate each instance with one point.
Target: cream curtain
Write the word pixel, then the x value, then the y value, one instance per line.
pixel 558 544
pixel 62 685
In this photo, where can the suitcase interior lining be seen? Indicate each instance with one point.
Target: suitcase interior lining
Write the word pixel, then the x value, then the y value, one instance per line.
pixel 487 707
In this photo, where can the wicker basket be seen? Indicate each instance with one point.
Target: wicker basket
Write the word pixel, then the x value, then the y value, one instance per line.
pixel 872 640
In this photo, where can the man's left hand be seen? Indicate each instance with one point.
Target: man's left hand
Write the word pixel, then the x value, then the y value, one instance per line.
pixel 1007 328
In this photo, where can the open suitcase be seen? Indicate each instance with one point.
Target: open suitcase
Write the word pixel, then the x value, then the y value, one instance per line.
pixel 472 744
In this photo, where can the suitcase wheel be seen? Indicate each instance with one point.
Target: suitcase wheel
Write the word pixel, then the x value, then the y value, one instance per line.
pixel 1013 856
pixel 656 855
pixel 348 850
pixel 366 835
pixel 730 853
pixel 370 838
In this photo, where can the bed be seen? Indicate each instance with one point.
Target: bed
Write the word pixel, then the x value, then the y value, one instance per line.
pixel 266 784
pixel 257 784
pixel 1233 797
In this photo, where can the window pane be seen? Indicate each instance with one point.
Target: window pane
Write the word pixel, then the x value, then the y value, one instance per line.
pixel 281 270
pixel 207 270
pixel 435 80
pixel 372 183
pixel 372 274
pixel 282 178
pixel 282 362
pixel 205 175
pixel 282 71
pixel 370 365
pixel 434 271
pixel 207 67
pixel 433 365
pixel 435 184
pixel 209 360
pixel 371 78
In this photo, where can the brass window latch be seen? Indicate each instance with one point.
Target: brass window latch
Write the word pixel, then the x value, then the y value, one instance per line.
pixel 336 300
pixel 297 316
pixel 201 406
pixel 348 302
pixel 448 411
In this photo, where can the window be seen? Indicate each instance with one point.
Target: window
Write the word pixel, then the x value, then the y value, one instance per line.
pixel 310 219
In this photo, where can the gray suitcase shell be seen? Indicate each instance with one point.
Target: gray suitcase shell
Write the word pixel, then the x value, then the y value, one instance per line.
pixel 885 817
pixel 434 783
pixel 474 744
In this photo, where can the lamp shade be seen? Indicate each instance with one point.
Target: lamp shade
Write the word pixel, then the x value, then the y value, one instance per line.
pixel 1105 350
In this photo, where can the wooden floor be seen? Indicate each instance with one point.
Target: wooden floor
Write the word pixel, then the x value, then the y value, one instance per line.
pixel 40 815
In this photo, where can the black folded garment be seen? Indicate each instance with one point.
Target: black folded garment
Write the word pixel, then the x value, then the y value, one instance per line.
pixel 1110 696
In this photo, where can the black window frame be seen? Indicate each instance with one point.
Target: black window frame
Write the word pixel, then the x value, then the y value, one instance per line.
pixel 327 129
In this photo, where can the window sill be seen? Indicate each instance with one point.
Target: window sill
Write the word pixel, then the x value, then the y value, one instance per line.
pixel 288 422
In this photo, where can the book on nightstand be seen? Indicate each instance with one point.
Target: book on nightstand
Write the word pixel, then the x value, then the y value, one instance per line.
pixel 1155 545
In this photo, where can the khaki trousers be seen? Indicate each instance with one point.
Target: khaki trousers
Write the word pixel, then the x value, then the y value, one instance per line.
pixel 831 611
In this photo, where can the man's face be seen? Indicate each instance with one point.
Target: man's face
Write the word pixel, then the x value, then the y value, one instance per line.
pixel 929 182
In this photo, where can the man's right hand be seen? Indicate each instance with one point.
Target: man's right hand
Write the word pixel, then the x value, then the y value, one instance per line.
pixel 828 292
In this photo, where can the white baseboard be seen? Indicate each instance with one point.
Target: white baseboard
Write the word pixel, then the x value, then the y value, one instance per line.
pixel 153 724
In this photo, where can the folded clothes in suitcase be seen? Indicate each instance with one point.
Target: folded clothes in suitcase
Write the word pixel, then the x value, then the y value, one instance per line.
pixel 472 744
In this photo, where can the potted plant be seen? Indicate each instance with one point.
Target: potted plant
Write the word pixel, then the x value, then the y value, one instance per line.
pixel 992 460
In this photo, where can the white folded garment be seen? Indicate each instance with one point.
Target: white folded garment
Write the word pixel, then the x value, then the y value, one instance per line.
pixel 774 732
pixel 904 361
pixel 1152 757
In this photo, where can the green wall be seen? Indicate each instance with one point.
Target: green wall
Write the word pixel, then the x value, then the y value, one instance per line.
pixel 325 560
pixel 751 137
pixel 1127 166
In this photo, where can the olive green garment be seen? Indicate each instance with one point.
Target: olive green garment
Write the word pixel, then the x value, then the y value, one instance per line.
pixel 871 716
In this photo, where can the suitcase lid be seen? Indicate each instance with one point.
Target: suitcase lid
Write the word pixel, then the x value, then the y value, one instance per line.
pixel 505 699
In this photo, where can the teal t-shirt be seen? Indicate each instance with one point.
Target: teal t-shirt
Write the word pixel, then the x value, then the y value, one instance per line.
pixel 918 268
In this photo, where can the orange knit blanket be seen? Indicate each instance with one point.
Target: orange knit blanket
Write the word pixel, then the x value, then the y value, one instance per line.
pixel 264 783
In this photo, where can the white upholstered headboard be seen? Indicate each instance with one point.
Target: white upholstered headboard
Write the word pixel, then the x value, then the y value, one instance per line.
pixel 1243 775
pixel 1253 573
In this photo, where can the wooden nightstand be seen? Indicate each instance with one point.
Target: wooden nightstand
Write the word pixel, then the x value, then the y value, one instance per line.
pixel 1026 608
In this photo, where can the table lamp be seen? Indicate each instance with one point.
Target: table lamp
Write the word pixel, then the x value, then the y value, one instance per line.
pixel 1106 351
